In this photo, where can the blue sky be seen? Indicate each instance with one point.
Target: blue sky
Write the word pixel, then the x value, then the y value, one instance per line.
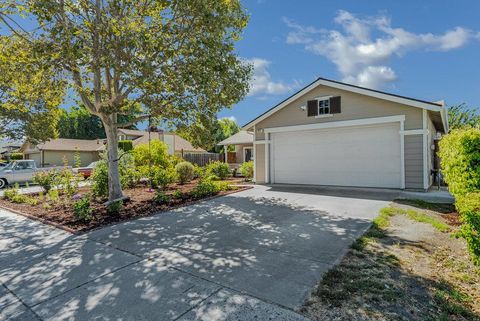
pixel 423 49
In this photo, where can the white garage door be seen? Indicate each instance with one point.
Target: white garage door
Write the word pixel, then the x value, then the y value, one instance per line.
pixel 350 156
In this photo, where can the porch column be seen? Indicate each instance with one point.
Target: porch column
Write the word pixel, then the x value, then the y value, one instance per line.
pixel 225 147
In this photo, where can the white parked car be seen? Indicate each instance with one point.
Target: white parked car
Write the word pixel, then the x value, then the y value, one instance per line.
pixel 20 171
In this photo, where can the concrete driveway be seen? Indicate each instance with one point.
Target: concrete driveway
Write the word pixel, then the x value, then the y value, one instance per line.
pixel 253 255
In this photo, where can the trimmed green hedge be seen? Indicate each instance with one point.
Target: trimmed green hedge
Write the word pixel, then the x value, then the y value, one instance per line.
pixel 125 145
pixel 460 162
pixel 16 156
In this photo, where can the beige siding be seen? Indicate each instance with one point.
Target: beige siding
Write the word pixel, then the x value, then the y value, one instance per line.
pixel 354 106
pixel 260 163
pixel 51 158
pixel 239 152
pixel 36 157
pixel 414 161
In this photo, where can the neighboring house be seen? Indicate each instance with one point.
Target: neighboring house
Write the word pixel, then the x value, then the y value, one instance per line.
pixel 243 142
pixel 332 133
pixel 53 152
pixel 8 147
pixel 176 144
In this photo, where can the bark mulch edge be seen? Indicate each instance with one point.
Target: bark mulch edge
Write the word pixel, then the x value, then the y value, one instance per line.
pixel 241 188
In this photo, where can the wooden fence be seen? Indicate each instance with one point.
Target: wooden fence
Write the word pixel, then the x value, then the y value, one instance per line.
pixel 201 159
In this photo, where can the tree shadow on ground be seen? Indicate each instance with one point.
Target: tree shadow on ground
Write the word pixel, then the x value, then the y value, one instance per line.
pixel 160 267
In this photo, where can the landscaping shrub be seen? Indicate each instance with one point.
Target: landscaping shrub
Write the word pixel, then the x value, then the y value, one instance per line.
pixel 185 172
pixel 160 197
pixel 208 187
pixel 125 145
pixel 219 169
pixel 177 194
pixel 246 169
pixel 53 195
pixel 13 195
pixel 114 207
pixel 162 177
pixel 16 156
pixel 99 179
pixel 82 209
pixel 460 162
pixel 199 171
pixel 159 154
pixel 46 179
pixel 468 206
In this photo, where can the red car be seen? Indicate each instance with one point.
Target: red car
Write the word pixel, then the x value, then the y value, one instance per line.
pixel 86 171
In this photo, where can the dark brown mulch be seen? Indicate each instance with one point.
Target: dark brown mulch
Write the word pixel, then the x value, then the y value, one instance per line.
pixel 140 204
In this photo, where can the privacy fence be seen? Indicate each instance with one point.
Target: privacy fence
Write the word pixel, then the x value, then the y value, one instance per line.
pixel 201 159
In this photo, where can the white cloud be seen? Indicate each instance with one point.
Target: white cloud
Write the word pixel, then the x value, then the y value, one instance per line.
pixel 362 58
pixel 262 83
pixel 232 118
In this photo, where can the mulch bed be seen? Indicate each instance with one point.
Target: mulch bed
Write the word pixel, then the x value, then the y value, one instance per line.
pixel 140 204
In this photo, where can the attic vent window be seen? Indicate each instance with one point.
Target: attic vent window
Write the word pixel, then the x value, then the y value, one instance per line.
pixel 323 106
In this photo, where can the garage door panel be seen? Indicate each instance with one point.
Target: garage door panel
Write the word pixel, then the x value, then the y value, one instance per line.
pixel 355 156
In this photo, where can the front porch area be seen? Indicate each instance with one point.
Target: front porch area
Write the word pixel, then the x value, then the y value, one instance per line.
pixel 238 149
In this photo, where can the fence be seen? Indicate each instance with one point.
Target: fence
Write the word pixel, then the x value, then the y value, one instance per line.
pixel 201 159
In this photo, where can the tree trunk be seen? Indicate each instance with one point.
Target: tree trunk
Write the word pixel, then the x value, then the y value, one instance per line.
pixel 114 186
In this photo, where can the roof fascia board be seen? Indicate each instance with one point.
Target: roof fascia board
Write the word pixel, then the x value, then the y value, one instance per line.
pixel 320 81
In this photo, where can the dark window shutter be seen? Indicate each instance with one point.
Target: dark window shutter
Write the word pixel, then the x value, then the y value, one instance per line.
pixel 312 108
pixel 335 105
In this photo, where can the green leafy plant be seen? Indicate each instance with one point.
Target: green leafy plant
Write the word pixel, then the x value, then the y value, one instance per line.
pixel 125 145
pixel 158 154
pixel 82 209
pixel 208 187
pixel 53 195
pixel 16 156
pixel 46 179
pixel 177 194
pixel 460 161
pixel 99 179
pixel 219 169
pixel 114 208
pixel 13 195
pixel 185 172
pixel 162 177
pixel 160 197
pixel 199 171
pixel 246 169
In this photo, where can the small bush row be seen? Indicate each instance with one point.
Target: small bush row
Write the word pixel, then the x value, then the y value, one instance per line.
pixel 460 162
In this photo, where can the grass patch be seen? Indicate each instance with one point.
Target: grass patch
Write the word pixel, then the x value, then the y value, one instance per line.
pixel 453 302
pixel 418 217
pixel 376 231
pixel 437 207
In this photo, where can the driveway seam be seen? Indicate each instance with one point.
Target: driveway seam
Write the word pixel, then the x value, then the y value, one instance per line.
pixel 198 304
pixel 235 290
pixel 21 301
pixel 88 282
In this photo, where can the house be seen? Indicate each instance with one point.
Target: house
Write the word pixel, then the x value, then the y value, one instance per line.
pixel 54 151
pixel 333 133
pixel 8 147
pixel 176 144
pixel 243 142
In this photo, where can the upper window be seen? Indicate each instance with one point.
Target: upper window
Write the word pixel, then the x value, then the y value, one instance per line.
pixel 323 106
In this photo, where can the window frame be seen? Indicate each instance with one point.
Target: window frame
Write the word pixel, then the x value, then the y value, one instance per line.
pixel 323 114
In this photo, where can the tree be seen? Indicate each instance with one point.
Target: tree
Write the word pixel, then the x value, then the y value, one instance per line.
pixel 461 116
pixel 208 134
pixel 79 123
pixel 174 57
pixel 30 92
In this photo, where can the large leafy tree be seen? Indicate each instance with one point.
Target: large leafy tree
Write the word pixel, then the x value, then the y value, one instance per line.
pixel 30 92
pixel 462 116
pixel 209 133
pixel 79 123
pixel 174 57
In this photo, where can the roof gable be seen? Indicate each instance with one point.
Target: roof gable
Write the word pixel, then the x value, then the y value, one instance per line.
pixel 417 103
